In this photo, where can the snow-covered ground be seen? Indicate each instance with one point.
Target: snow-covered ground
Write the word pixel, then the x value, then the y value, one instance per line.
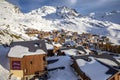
pixel 113 16
pixel 4 64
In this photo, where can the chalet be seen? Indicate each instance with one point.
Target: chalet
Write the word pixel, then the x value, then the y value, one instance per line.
pixel 57 47
pixel 32 32
pixel 28 58
pixel 69 43
pixel 74 51
pixel 88 68
pixel 50 49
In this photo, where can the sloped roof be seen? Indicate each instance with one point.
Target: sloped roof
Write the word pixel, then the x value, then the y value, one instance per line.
pixel 94 69
pixel 22 48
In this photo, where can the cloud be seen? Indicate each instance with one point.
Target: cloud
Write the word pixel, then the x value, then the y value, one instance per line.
pixel 82 6
pixel 73 1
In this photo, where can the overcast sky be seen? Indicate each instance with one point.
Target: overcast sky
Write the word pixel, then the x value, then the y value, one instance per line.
pixel 82 6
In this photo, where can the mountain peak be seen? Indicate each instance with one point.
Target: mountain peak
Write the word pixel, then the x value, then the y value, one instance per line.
pixel 63 11
pixel 66 12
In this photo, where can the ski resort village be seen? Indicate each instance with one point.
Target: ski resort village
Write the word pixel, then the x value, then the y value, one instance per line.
pixel 57 43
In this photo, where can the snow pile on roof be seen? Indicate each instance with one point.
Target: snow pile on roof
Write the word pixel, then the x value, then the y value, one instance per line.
pixel 49 46
pixel 93 69
pixel 66 74
pixel 88 51
pixel 20 51
pixel 117 58
pixel 57 45
pixel 107 61
pixel 72 52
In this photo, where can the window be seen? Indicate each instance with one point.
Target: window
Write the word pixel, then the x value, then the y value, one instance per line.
pixel 37 45
pixel 44 58
pixel 16 65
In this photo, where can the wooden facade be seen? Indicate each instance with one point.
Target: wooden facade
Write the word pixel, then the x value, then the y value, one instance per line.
pixel 80 73
pixel 29 64
pixel 28 58
pixel 115 77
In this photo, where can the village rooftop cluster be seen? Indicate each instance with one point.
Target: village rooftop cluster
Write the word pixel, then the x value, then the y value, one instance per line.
pixel 73 39
pixel 92 57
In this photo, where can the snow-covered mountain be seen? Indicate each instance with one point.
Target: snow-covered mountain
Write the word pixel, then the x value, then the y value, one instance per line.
pixel 13 21
pixel 113 16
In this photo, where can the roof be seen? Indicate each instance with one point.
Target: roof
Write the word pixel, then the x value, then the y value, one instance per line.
pixel 105 58
pixel 74 51
pixel 49 46
pixel 23 48
pixel 94 69
pixel 57 44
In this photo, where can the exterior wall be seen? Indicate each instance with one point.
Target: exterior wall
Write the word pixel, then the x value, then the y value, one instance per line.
pixel 29 65
pixel 80 73
pixel 50 53
pixel 84 77
pixel 18 73
pixel 16 59
pixel 34 64
pixel 115 77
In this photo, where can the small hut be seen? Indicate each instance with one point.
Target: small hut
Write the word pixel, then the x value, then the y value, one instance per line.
pixel 28 58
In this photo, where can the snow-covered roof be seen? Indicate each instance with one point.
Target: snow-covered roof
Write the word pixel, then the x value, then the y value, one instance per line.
pixel 107 61
pixel 65 74
pixel 20 51
pixel 49 46
pixel 88 51
pixel 72 52
pixel 57 44
pixel 23 48
pixel 94 69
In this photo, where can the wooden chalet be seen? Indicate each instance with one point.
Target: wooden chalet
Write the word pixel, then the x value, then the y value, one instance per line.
pixel 28 58
pixel 89 68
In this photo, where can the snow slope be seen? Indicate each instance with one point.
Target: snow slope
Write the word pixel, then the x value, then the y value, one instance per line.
pixel 48 18
pixel 113 16
pixel 3 73
pixel 4 64
pixel 82 6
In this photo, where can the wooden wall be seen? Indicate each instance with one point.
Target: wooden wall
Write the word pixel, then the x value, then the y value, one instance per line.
pixel 115 77
pixel 34 63
pixel 31 64
pixel 79 72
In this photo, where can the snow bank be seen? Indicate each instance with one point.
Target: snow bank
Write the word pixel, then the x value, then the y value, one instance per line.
pixel 4 63
pixel 49 46
pixel 3 73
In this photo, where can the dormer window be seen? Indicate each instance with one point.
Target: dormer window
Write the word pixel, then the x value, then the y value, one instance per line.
pixel 37 45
